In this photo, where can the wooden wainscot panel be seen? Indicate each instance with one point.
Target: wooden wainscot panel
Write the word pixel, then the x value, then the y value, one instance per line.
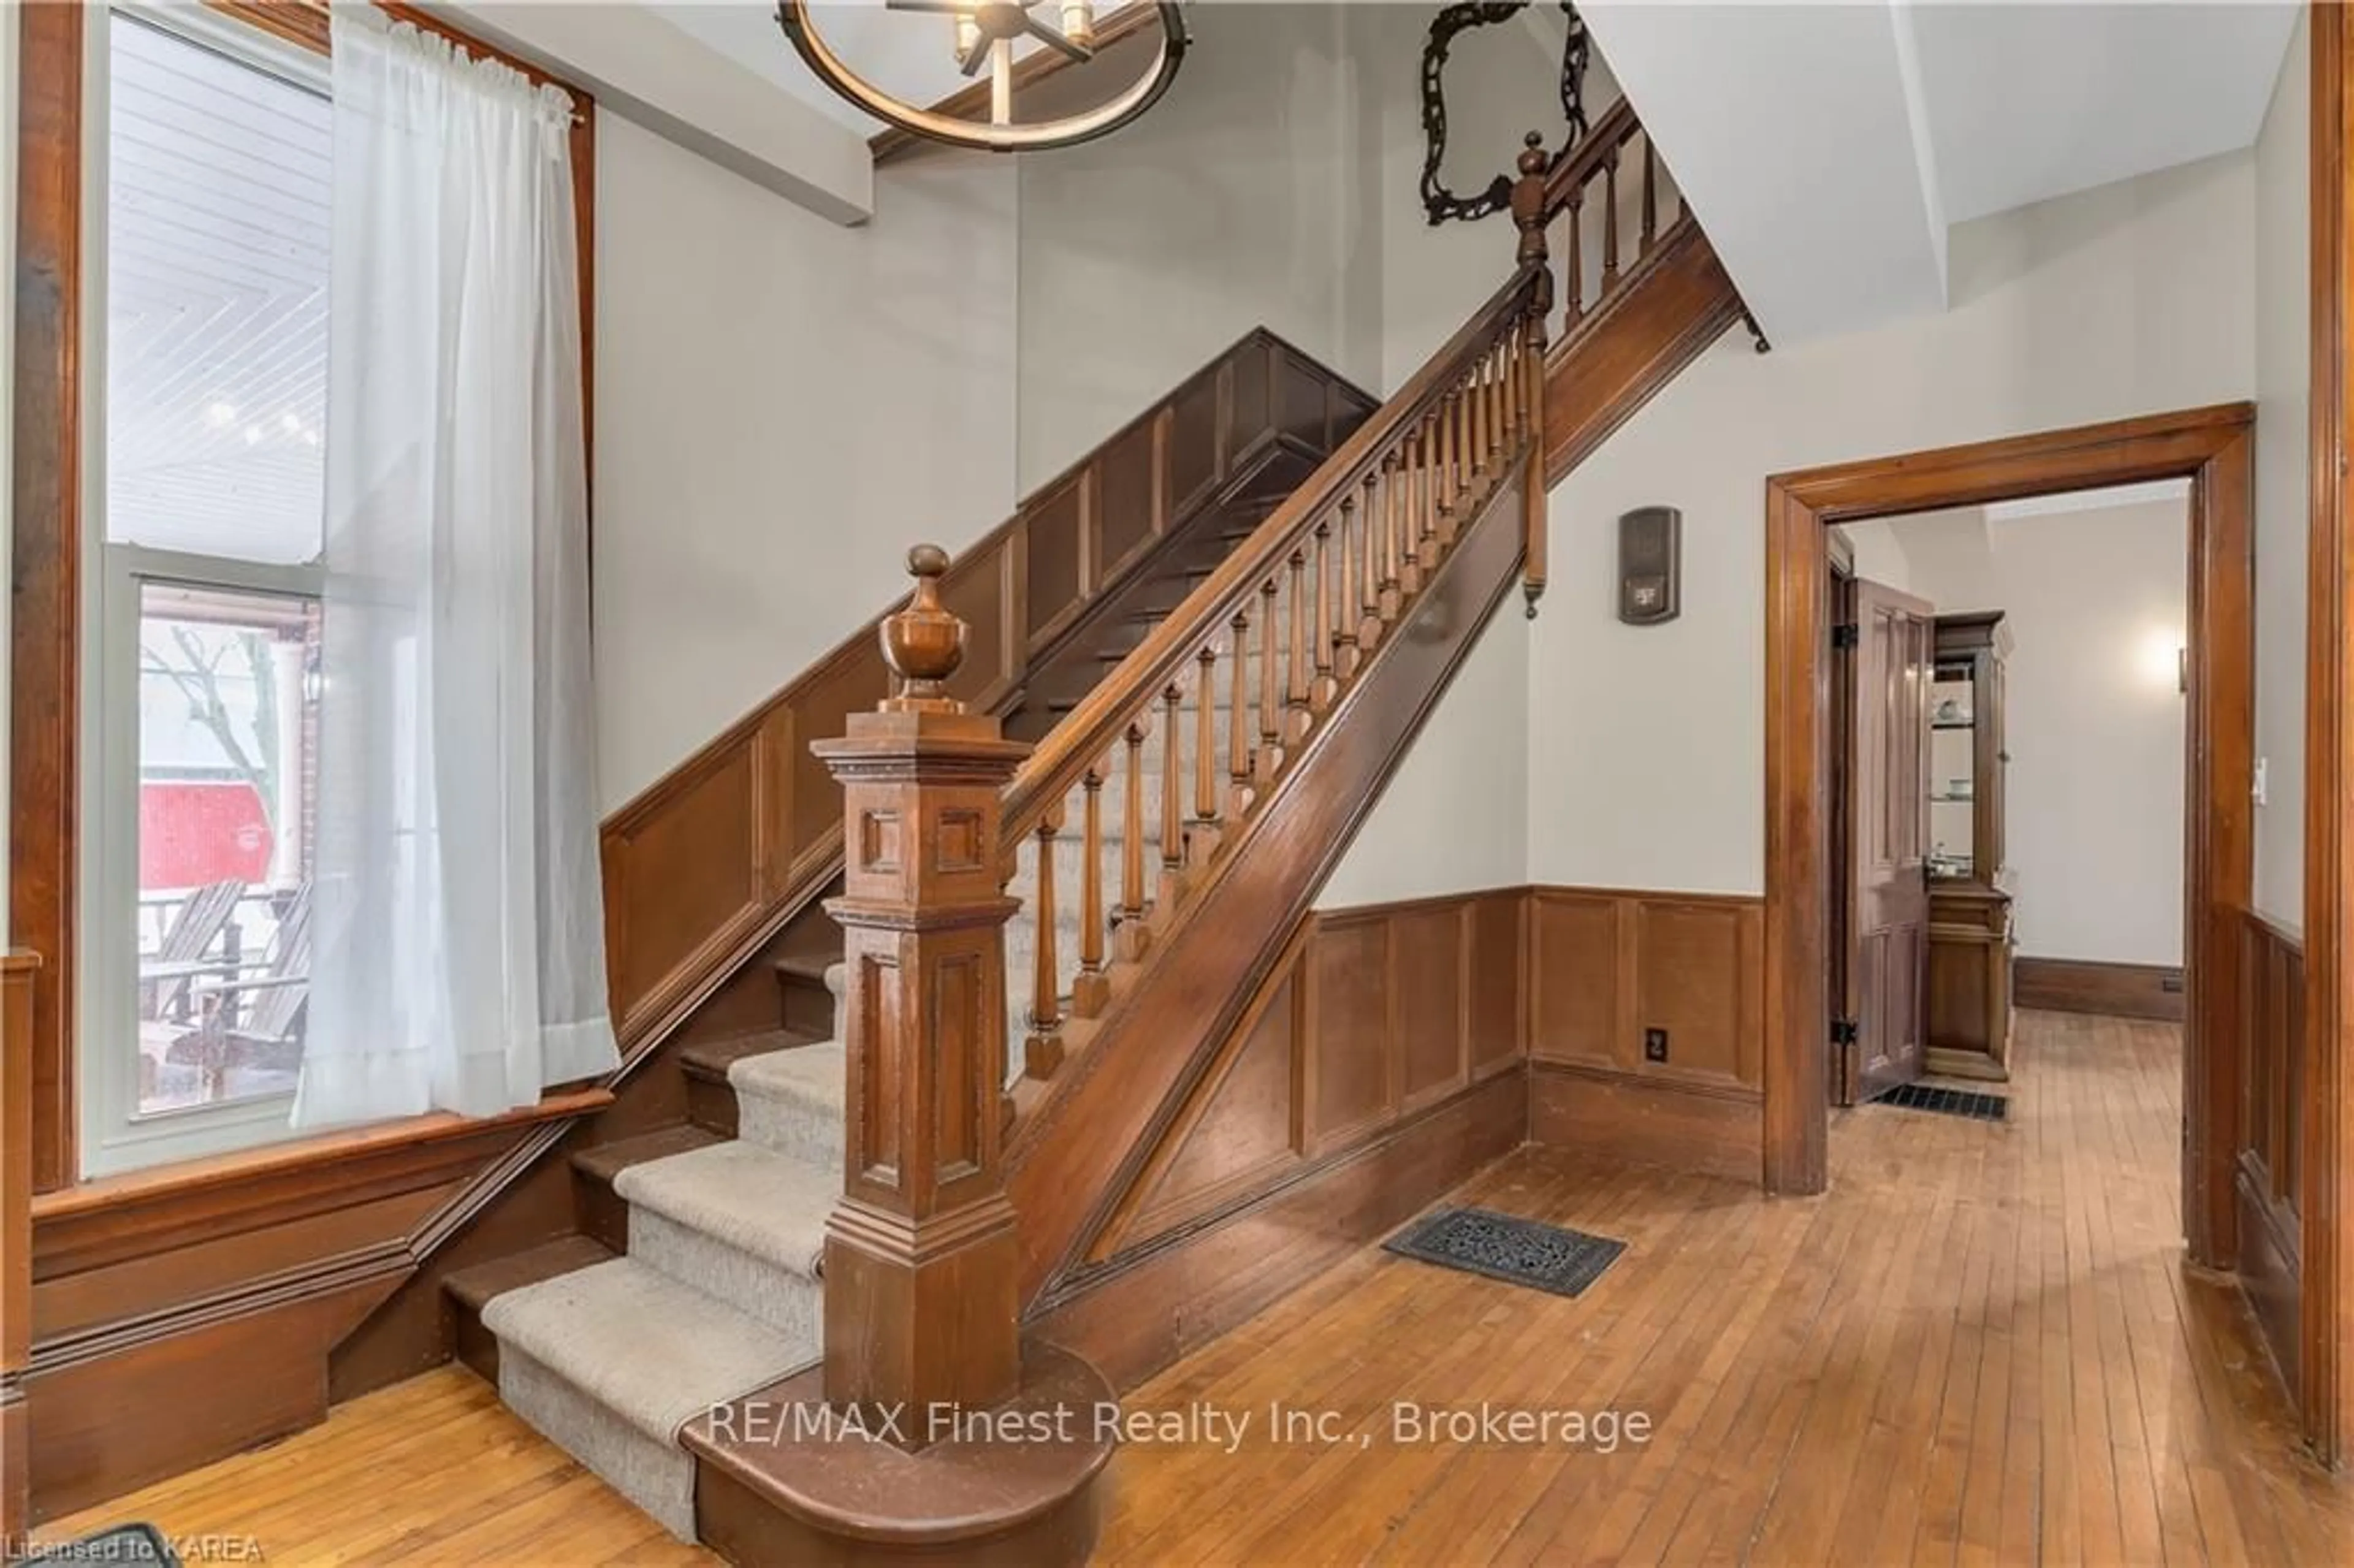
pixel 1361 1003
pixel 1606 968
pixel 16 972
pixel 1574 977
pixel 1056 535
pixel 1352 1075
pixel 2271 1153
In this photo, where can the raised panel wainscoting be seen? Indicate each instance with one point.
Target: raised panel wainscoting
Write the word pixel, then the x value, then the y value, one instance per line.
pixel 1376 1069
pixel 2269 1167
pixel 1612 972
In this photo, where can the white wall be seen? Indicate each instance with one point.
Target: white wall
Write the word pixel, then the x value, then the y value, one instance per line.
pixel 2283 368
pixel 1648 745
pixel 1247 198
pixel 2095 603
pixel 782 408
pixel 1454 815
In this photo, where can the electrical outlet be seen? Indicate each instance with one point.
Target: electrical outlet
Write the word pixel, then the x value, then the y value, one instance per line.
pixel 1655 1045
pixel 2257 788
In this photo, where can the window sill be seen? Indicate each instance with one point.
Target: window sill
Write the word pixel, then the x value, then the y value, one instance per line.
pixel 115 1218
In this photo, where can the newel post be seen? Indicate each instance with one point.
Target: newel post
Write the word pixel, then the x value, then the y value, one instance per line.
pixel 920 1255
pixel 1529 217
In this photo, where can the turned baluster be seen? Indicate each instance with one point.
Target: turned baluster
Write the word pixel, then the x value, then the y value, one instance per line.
pixel 1270 726
pixel 1371 585
pixel 1460 458
pixel 1478 384
pixel 1322 646
pixel 1089 991
pixel 1344 634
pixel 1651 197
pixel 1296 687
pixel 1172 794
pixel 1238 704
pixel 1206 736
pixel 1432 506
pixel 1609 223
pixel 1434 453
pixel 1575 274
pixel 1496 416
pixel 1131 847
pixel 1409 517
pixel 1389 574
pixel 1042 1053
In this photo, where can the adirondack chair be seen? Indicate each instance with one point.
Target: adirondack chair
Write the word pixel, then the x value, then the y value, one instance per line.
pixel 194 925
pixel 254 1021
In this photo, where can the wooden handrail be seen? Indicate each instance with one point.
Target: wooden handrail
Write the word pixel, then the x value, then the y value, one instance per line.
pixel 1089 732
pixel 1617 127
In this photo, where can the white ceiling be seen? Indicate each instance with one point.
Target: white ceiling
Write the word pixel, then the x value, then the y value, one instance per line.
pixel 1828 148
pixel 2027 102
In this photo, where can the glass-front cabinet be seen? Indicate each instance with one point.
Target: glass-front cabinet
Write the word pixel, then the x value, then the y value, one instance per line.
pixel 1970 882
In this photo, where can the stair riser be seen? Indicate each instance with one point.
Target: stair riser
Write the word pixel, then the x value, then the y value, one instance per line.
pixel 784 1301
pixel 602 1215
pixel 808 1005
pixel 711 1104
pixel 656 1476
pixel 813 1134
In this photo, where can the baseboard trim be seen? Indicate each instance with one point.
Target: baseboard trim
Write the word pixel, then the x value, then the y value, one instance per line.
pixel 2081 985
pixel 1715 1129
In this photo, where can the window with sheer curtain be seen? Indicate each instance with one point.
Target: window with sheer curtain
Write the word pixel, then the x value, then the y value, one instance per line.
pixel 344 843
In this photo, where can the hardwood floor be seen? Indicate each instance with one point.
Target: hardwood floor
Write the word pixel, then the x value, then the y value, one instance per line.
pixel 1979 1348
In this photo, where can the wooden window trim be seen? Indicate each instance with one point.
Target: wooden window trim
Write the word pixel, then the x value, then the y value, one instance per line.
pixel 46 628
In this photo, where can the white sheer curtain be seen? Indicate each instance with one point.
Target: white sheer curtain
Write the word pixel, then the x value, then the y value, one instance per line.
pixel 460 963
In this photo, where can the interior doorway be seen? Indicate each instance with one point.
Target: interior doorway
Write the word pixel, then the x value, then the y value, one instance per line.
pixel 1966 877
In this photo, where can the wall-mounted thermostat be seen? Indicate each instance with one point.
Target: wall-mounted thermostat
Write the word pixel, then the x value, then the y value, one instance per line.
pixel 1650 565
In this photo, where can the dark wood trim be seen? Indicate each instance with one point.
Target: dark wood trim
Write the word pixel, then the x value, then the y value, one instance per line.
pixel 16 971
pixel 45 625
pixel 2325 1284
pixel 1167 1298
pixel 2213 448
pixel 1034 69
pixel 123 1217
pixel 2085 985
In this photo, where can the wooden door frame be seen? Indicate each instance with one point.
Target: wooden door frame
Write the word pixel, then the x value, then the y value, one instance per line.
pixel 2214 448
pixel 2326 1182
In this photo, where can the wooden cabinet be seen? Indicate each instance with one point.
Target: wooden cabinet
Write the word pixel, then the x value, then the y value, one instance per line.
pixel 1970 884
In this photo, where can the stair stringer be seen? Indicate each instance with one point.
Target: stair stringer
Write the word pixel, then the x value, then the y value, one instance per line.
pixel 1076 1153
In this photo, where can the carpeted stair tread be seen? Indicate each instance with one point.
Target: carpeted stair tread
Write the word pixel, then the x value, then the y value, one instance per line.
pixel 608 1160
pixel 743 1196
pixel 654 1353
pixel 472 1288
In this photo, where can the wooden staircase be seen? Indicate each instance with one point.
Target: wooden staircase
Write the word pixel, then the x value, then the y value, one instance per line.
pixel 1210 726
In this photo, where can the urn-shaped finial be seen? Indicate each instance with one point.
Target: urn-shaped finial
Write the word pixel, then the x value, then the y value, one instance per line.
pixel 924 643
pixel 1532 159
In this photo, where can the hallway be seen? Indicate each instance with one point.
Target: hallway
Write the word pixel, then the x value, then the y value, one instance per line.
pixel 1979 1348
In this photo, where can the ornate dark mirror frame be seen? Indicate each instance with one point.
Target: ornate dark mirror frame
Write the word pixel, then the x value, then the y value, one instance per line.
pixel 1439 203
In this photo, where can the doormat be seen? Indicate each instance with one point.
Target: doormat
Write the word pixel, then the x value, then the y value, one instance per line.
pixel 1945 1102
pixel 1517 1251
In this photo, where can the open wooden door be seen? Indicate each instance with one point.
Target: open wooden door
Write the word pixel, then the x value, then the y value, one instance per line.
pixel 1883 1026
